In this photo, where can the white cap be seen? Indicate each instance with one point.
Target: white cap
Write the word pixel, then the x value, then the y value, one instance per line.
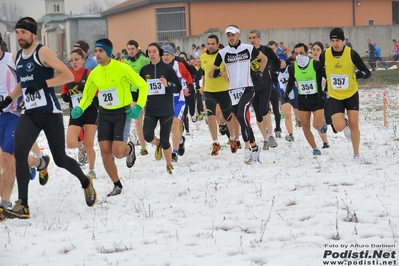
pixel 232 30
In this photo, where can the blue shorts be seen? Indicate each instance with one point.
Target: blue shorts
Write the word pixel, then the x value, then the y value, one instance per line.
pixel 8 122
pixel 179 110
pixel 293 102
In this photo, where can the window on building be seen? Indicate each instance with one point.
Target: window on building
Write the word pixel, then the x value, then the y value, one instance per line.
pixel 58 8
pixel 395 12
pixel 171 23
pixel 55 8
pixel 371 22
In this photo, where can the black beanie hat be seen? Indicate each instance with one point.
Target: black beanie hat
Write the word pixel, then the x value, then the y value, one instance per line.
pixel 337 33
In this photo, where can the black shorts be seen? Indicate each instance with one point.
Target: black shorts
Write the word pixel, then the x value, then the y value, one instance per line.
pixel 89 117
pixel 309 103
pixel 113 124
pixel 222 98
pixel 339 106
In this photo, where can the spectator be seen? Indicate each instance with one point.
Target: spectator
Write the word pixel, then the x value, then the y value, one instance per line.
pixel 347 43
pixel 395 50
pixel 377 55
pixel 196 53
pixel 370 52
pixel 326 45
pixel 177 51
pixel 285 48
pixel 3 44
pixel 203 49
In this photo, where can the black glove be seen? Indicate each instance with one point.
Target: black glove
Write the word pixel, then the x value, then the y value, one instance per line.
pixel 257 76
pixel 274 77
pixel 217 73
pixel 4 104
pixel 32 88
pixel 65 97
pixel 322 98
pixel 360 74
pixel 191 89
pixel 286 97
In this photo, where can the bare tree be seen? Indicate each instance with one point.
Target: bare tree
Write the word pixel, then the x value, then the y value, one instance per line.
pixel 94 6
pixel 11 11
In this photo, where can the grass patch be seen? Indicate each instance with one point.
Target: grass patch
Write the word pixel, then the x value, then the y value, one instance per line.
pixel 380 79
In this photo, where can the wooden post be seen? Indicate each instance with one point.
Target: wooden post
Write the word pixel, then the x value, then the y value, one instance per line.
pixel 384 104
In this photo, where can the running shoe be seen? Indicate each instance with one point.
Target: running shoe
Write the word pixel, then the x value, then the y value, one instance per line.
pixel 248 156
pixel 255 154
pixel 143 152
pixel 316 151
pixel 323 130
pixel 272 142
pixel 174 157
pixel 297 123
pixel 278 134
pixel 90 192
pixel 200 116
pixel 289 138
pixel 215 149
pixel 32 171
pixel 158 153
pixel 325 145
pixel 116 191
pixel 169 169
pixel 131 157
pixel 43 173
pixel 266 145
pixel 233 146
pixel 182 146
pixel 357 158
pixel 238 144
pixel 82 155
pixel 17 212
pixel 347 131
pixel 92 174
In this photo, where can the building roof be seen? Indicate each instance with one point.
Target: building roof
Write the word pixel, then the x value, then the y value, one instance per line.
pixel 52 18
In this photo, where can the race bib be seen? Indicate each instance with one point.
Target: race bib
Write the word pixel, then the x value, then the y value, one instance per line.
pixel 3 95
pixel 307 87
pixel 155 87
pixel 108 98
pixel 283 83
pixel 76 99
pixel 235 95
pixel 339 82
pixel 31 101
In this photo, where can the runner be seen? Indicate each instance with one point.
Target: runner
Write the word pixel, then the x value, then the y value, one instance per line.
pixel 72 94
pixel 178 141
pixel 292 98
pixel 35 66
pixel 136 61
pixel 216 94
pixel 339 62
pixel 163 84
pixel 113 80
pixel 311 97
pixel 263 90
pixel 237 57
pixel 317 49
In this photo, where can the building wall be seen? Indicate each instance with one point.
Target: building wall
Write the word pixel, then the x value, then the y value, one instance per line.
pixel 139 25
pixel 278 14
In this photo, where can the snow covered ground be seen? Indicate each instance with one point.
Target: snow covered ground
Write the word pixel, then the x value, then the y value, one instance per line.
pixel 290 210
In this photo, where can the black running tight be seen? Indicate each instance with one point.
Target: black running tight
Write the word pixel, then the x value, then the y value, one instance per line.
pixel 165 122
pixel 26 133
pixel 240 111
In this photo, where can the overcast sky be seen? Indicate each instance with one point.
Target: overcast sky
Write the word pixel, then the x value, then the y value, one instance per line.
pixel 35 8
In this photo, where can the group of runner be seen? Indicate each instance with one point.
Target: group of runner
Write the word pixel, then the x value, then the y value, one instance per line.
pixel 105 98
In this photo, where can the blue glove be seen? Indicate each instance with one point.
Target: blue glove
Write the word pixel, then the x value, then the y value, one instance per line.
pixel 134 113
pixel 76 112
